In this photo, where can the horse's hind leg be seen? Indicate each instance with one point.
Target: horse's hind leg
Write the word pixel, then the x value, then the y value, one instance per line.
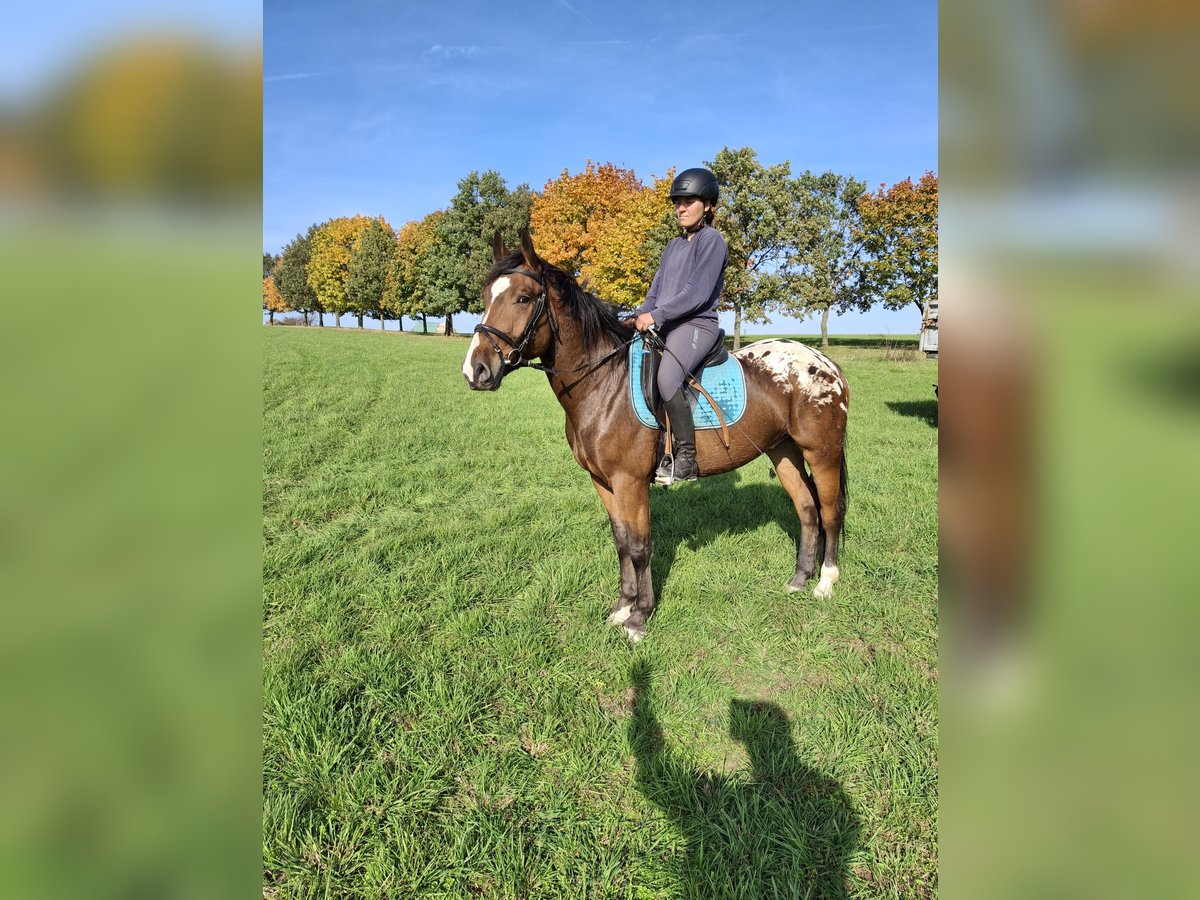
pixel 790 469
pixel 829 477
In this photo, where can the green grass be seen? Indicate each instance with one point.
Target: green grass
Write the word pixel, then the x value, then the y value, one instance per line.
pixel 447 715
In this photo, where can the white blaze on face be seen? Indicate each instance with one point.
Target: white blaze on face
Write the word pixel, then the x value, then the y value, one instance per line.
pixel 499 286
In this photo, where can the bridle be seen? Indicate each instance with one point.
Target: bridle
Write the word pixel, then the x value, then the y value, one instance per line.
pixel 515 358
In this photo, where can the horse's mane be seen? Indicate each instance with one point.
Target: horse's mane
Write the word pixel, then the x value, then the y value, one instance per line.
pixel 599 321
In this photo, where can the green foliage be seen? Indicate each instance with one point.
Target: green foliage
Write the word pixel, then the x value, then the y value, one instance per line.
pixel 461 254
pixel 446 715
pixel 291 279
pixel 757 214
pixel 366 277
pixel 829 256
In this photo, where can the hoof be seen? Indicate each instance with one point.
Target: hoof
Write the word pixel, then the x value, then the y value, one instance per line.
pixel 824 589
pixel 620 614
pixel 635 635
pixel 797 584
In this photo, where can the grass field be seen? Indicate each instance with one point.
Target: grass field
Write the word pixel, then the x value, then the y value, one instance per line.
pixel 447 715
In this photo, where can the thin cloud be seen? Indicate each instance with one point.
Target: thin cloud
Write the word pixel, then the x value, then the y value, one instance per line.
pixel 291 76
pixel 455 51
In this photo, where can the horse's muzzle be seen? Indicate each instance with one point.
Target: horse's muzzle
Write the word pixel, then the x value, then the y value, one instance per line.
pixel 482 378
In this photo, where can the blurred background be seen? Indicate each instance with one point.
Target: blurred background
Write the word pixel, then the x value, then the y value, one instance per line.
pixel 130 172
pixel 1070 169
pixel 130 148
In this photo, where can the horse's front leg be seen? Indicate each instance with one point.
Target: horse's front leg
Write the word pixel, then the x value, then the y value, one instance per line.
pixel 628 506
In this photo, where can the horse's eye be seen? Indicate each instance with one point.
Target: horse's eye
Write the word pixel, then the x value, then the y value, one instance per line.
pixel 523 299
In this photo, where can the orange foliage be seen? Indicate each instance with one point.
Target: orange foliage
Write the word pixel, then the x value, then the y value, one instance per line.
pixel 600 225
pixel 272 302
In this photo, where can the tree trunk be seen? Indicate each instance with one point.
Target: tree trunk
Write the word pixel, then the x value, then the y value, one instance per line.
pixel 360 320
pixel 449 325
pixel 737 328
pixel 825 327
pixel 424 325
pixel 271 316
pixel 304 312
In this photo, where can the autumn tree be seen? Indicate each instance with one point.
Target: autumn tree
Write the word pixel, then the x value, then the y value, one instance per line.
pixel 757 213
pixel 900 235
pixel 291 276
pixel 333 245
pixel 604 226
pixel 272 301
pixel 409 287
pixel 366 275
pixel 461 252
pixel 829 253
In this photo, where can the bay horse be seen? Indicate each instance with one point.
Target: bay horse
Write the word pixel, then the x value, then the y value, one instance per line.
pixel 796 409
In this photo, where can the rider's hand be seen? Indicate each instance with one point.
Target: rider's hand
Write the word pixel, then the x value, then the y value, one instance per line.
pixel 644 322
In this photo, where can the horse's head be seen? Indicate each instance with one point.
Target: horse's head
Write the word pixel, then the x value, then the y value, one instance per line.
pixel 517 324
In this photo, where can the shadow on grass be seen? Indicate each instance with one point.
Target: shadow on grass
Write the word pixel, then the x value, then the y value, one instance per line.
pixel 782 829
pixel 697 514
pixel 918 409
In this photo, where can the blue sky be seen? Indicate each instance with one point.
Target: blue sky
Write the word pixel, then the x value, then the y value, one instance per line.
pixel 380 108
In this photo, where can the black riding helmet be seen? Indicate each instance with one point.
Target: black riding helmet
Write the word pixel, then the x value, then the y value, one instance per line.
pixel 695 183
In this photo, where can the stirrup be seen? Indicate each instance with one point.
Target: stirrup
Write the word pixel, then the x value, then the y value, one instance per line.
pixel 665 474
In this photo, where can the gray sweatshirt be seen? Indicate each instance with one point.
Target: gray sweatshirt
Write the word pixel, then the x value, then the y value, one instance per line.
pixel 689 279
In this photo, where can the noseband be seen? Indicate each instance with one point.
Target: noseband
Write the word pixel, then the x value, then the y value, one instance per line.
pixel 514 359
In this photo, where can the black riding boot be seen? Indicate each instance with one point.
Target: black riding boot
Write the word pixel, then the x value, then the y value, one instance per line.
pixel 680 464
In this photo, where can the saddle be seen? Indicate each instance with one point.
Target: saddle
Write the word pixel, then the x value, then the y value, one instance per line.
pixel 717 389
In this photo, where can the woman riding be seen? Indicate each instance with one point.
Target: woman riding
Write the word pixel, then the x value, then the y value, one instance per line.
pixel 682 306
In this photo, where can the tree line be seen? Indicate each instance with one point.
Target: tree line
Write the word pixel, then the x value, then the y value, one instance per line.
pixel 802 245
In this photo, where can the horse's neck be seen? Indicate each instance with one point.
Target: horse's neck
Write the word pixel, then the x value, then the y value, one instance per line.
pixel 580 391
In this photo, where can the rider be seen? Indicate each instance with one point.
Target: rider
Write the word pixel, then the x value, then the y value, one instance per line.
pixel 682 306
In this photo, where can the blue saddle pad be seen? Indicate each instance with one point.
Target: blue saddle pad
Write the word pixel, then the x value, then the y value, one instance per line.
pixel 725 384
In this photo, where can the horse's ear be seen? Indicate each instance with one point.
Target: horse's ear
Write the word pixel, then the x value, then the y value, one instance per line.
pixel 531 258
pixel 498 250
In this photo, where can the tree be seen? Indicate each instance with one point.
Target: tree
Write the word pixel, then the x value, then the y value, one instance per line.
pixel 409 287
pixel 606 227
pixel 830 254
pixel 272 301
pixel 757 214
pixel 900 235
pixel 461 253
pixel 329 268
pixel 291 276
pixel 367 272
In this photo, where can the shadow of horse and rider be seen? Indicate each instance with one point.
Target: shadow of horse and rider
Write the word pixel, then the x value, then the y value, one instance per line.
pixel 780 830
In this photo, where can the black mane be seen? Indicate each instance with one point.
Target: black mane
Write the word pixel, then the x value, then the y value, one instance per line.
pixel 599 321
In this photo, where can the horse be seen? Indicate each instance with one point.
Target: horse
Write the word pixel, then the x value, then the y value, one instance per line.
pixel 537 315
